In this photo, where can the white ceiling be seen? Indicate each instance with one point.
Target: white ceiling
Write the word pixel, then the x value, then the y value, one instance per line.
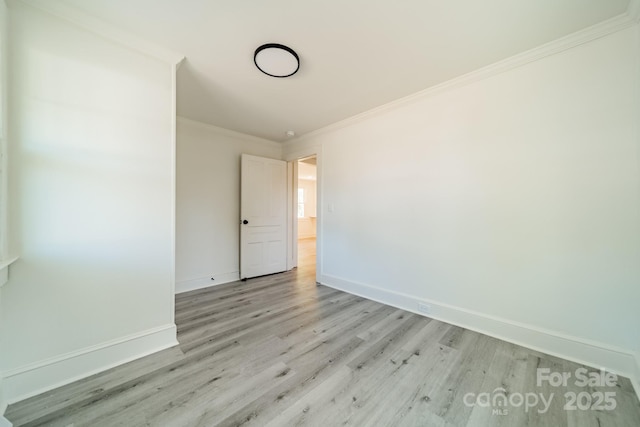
pixel 355 54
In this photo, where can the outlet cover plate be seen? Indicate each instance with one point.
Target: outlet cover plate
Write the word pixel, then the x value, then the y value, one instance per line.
pixel 424 308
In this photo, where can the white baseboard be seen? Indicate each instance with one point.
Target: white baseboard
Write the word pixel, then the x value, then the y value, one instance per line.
pixel 3 407
pixel 636 379
pixel 591 353
pixel 4 270
pixel 39 377
pixel 205 282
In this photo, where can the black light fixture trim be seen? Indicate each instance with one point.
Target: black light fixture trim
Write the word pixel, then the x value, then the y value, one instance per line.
pixel 276 46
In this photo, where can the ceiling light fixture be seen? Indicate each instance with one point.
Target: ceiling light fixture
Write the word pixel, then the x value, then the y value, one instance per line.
pixel 276 60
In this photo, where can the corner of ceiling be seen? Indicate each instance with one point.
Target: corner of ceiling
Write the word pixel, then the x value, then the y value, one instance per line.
pixel 625 20
pixel 104 29
pixel 185 121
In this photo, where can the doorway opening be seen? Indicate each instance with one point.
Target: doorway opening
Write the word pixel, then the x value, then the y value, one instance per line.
pixel 307 200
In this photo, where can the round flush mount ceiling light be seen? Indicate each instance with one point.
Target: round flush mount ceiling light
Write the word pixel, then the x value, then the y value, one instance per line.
pixel 276 60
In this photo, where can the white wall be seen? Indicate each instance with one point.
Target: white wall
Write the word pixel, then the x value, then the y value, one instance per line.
pixel 91 210
pixel 511 203
pixel 4 32
pixel 208 202
pixel 3 402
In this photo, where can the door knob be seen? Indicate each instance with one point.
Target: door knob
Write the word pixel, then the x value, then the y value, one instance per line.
pixel 245 222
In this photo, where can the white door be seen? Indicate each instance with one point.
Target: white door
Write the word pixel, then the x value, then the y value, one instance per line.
pixel 263 216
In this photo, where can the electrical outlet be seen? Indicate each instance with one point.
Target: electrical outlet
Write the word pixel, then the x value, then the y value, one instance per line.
pixel 424 308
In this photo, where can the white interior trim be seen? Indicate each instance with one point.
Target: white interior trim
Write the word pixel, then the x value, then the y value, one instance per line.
pixel 628 19
pixel 39 377
pixel 174 186
pixel 4 270
pixel 587 352
pixel 292 218
pixel 3 402
pixel 636 379
pixel 228 132
pixel 97 26
pixel 292 156
pixel 205 282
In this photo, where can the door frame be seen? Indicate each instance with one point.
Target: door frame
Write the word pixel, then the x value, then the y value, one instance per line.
pixel 292 158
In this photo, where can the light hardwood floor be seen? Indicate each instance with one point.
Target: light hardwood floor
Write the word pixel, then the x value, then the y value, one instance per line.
pixel 282 351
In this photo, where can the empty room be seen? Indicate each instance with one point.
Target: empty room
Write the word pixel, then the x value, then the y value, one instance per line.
pixel 279 213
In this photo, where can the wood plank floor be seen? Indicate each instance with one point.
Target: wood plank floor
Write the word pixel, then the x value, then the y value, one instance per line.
pixel 283 351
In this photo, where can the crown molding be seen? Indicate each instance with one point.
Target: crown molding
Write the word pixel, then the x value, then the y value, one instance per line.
pixel 101 28
pixel 228 132
pixel 613 25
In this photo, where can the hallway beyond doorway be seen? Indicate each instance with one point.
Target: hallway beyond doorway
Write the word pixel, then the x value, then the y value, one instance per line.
pixel 307 253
